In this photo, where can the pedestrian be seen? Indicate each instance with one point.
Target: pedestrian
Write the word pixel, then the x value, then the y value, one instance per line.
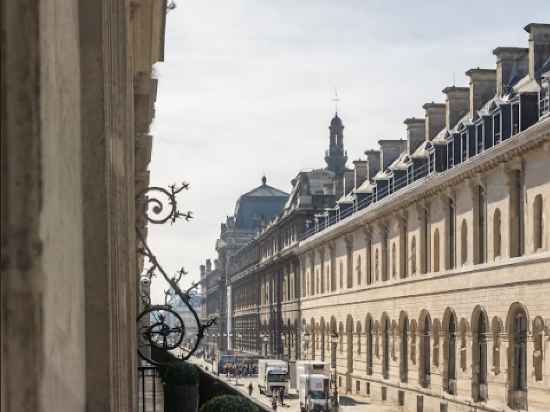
pixel 250 389
pixel 281 396
pixel 274 401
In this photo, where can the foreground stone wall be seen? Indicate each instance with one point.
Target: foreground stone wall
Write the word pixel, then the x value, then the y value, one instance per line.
pixel 77 95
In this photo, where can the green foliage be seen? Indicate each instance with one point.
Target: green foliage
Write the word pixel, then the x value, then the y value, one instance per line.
pixel 180 373
pixel 229 403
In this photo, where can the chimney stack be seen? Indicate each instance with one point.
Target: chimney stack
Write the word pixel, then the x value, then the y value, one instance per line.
pixel 347 181
pixel 457 104
pixel 202 270
pixel 416 130
pixel 361 170
pixel 373 162
pixel 539 47
pixel 208 266
pixel 435 119
pixel 390 150
pixel 512 63
pixel 482 88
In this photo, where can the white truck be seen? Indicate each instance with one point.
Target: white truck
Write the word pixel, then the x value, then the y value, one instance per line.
pixel 313 386
pixel 272 376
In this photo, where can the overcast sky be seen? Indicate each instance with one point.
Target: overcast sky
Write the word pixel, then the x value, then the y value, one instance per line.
pixel 247 87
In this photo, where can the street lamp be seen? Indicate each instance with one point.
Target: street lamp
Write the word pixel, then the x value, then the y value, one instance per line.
pixel 334 344
pixel 307 337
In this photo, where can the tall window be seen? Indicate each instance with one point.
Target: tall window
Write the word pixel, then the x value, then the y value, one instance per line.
pixel 482 223
pixel 479 378
pixel 425 377
pixel 497 234
pixel 385 255
pixel 393 261
pixel 518 353
pixel 341 275
pixel 332 269
pixel 368 328
pixel 376 265
pixel 403 251
pixel 451 234
pixel 386 348
pixel 349 262
pixel 359 274
pixel 404 361
pixel 436 250
pixel 413 255
pixel 464 242
pixel 516 214
pixel 451 355
pixel 537 222
pixel 369 261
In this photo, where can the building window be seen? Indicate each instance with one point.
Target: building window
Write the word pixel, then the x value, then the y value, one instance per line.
pixel 479 357
pixel 479 137
pixel 341 275
pixel 538 348
pixel 404 361
pixel 413 255
pixel 451 235
pixel 497 234
pixel 359 275
pixel 393 261
pixel 368 329
pixel 425 350
pixel 385 348
pixel 464 242
pixel 537 222
pixel 518 357
pixel 497 126
pixel 450 381
pixel 403 251
pixel 385 257
pixel 515 118
pixel 376 265
pixel 436 250
pixel 482 224
pixel 544 98
pixel 369 261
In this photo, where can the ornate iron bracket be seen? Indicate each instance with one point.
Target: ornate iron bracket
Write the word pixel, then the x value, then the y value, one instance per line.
pixel 161 327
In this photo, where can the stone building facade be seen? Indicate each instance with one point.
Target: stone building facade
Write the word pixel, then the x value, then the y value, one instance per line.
pixel 77 98
pixel 432 268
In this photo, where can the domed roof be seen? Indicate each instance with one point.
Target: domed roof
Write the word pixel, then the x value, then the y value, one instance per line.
pixel 336 121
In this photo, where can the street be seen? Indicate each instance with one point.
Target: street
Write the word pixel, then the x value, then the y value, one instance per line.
pixel 348 403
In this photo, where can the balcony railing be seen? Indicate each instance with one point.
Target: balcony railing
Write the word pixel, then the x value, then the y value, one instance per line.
pixel 151 396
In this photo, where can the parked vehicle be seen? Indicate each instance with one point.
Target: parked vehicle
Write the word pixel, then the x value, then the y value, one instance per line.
pixel 272 376
pixel 313 384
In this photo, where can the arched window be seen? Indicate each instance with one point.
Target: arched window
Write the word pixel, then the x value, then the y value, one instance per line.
pixel 436 250
pixel 413 255
pixel 497 234
pixel 424 370
pixel 341 275
pixel 464 242
pixel 538 351
pixel 537 222
pixel 385 347
pixel 376 265
pixel 393 261
pixel 376 340
pixel 368 329
pixel 450 382
pixel 517 329
pixel 404 361
pixel 479 355
pixel 359 275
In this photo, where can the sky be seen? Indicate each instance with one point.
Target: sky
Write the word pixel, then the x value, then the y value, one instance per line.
pixel 247 88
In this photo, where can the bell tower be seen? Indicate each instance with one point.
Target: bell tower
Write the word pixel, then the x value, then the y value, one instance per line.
pixel 336 157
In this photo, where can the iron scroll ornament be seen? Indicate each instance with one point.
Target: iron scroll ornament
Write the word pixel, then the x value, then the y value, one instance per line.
pixel 160 327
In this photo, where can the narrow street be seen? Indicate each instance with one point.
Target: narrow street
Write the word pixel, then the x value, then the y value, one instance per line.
pixel 348 403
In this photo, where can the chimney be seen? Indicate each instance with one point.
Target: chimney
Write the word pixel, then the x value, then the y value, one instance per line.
pixel 457 104
pixel 361 169
pixel 539 47
pixel 482 88
pixel 416 130
pixel 390 150
pixel 512 63
pixel 348 181
pixel 216 264
pixel 208 266
pixel 435 119
pixel 202 270
pixel 373 163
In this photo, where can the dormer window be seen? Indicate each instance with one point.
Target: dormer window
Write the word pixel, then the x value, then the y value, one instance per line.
pixel 464 145
pixel 515 118
pixel 450 154
pixel 544 98
pixel 480 138
pixel 497 128
pixel 431 162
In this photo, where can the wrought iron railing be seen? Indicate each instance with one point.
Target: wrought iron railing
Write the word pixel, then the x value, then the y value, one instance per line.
pixel 151 396
pixel 161 327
